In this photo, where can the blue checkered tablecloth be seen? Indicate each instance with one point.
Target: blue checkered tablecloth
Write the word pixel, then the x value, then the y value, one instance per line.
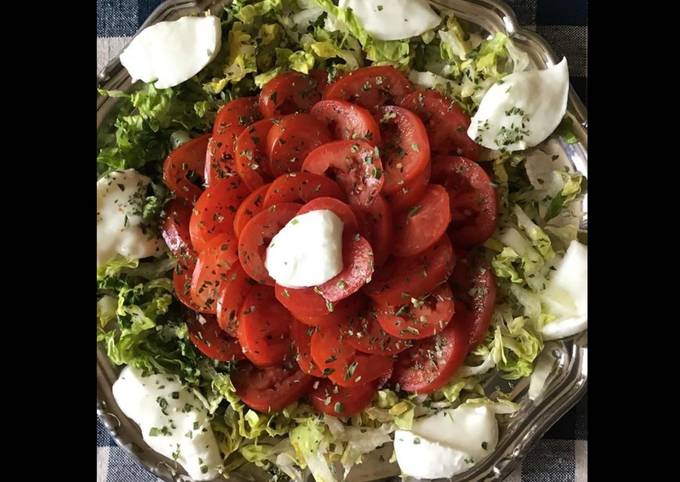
pixel 561 456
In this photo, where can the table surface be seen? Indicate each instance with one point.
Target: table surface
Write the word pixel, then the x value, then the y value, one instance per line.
pixel 561 456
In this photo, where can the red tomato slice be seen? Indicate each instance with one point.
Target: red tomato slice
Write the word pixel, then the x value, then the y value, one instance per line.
pixel 341 363
pixel 214 211
pixel 375 224
pixel 187 160
pixel 301 187
pixel 421 226
pixel 355 165
pixel 339 208
pixel 347 121
pixel 232 118
pixel 474 285
pixel 410 192
pixel 405 151
pixel 363 369
pixel 291 139
pixel 422 319
pixel 446 123
pixel 341 401
pixel 251 161
pixel 263 328
pixel 250 206
pixel 430 364
pixel 206 335
pixel 329 352
pixel 344 309
pixel 370 87
pixel 212 267
pixel 304 302
pixel 231 297
pixel 175 231
pixel 302 340
pixel 357 257
pixel 288 93
pixel 411 277
pixel 257 234
pixel 181 281
pixel 270 389
pixel 363 333
pixel 472 199
pixel 321 78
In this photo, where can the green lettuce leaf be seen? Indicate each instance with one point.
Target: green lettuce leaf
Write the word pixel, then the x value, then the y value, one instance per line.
pixel 143 120
pixel 301 61
pixel 241 60
pixel 311 439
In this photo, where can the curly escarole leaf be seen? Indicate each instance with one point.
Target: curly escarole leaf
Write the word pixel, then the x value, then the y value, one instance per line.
pixel 311 441
pixel 145 120
pixel 379 51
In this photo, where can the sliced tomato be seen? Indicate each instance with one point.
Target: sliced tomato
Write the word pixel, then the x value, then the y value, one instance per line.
pixel 251 160
pixel 431 363
pixel 188 160
pixel 472 199
pixel 250 206
pixel 370 87
pixel 341 363
pixel 355 165
pixel 181 282
pixel 339 208
pixel 232 118
pixel 410 192
pixel 347 121
pixel 446 123
pixel 375 224
pixel 421 318
pixel 363 333
pixel 342 310
pixel 364 368
pixel 211 271
pixel 302 339
pixel 405 151
pixel 328 350
pixel 341 401
pixel 214 343
pixel 474 285
pixel 257 234
pixel 357 258
pixel 321 78
pixel 231 297
pixel 412 277
pixel 270 389
pixel 214 211
pixel 304 302
pixel 423 224
pixel 301 187
pixel 263 328
pixel 288 93
pixel 291 139
pixel 175 231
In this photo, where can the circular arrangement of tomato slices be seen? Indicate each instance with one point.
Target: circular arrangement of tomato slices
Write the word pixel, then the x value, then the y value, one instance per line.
pixel 385 157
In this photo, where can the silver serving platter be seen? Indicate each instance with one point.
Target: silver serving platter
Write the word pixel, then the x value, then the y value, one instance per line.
pixel 520 431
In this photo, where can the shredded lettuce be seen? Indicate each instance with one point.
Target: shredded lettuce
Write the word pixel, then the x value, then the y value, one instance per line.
pixel 144 121
pixel 311 440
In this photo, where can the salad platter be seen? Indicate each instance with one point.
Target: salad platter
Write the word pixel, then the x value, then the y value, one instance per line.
pixel 526 367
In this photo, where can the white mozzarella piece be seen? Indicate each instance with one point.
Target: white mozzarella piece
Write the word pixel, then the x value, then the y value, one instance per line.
pixel 120 227
pixel 168 53
pixel 522 109
pixel 307 251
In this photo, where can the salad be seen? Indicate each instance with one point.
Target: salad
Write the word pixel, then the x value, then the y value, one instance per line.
pixel 322 226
